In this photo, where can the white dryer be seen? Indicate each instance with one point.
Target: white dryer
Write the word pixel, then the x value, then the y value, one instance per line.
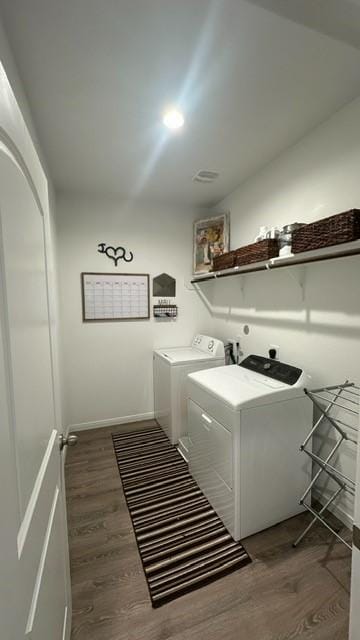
pixel 246 424
pixel 171 367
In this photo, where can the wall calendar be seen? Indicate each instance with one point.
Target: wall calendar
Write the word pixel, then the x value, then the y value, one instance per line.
pixel 115 296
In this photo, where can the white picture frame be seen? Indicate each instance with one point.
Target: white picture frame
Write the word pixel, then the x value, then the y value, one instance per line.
pixel 211 238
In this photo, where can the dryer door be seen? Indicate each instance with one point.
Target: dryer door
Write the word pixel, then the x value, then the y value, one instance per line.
pixel 211 462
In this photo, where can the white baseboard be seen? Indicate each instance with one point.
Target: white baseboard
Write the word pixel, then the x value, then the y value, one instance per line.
pixel 111 422
pixel 336 509
pixel 67 625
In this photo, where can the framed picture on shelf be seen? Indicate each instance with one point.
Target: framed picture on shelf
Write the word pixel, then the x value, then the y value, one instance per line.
pixel 211 238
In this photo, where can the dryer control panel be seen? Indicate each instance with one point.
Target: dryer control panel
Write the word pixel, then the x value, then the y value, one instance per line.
pixel 209 345
pixel 285 373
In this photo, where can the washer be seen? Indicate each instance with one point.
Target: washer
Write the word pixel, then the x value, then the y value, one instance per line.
pixel 246 424
pixel 171 367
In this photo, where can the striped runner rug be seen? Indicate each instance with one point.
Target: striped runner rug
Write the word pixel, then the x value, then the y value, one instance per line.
pixel 183 544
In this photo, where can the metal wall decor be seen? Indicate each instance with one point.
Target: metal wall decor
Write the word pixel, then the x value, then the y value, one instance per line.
pixel 115 253
pixel 165 310
pixel 164 286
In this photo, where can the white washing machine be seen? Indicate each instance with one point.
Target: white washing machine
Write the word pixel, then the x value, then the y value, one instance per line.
pixel 246 424
pixel 171 367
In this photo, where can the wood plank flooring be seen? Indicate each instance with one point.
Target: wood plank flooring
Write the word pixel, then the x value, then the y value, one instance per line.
pixel 284 594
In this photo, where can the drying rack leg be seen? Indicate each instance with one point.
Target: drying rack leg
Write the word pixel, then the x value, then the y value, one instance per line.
pixel 319 472
pixel 326 524
pixel 311 524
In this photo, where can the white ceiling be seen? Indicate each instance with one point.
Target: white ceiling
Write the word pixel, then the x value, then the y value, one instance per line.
pixel 340 19
pixel 99 73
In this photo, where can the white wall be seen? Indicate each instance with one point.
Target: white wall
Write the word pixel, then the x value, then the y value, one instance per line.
pixel 108 366
pixel 317 328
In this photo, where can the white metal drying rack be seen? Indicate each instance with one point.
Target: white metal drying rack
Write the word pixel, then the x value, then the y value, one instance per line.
pixel 345 397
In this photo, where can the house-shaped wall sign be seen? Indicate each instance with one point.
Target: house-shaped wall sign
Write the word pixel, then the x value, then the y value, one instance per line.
pixel 164 286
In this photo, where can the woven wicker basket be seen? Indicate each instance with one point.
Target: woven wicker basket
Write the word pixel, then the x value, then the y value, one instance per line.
pixel 225 261
pixel 343 227
pixel 257 252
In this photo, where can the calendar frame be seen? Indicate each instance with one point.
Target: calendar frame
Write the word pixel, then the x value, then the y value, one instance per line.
pixel 104 273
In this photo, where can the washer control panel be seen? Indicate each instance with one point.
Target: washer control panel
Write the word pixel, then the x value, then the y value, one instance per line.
pixel 274 369
pixel 209 345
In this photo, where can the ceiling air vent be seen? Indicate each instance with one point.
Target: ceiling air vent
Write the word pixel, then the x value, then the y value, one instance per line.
pixel 205 176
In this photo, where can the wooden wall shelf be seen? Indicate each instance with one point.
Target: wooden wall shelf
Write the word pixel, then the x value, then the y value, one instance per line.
pixel 308 257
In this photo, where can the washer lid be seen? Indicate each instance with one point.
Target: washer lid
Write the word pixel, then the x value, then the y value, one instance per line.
pixel 184 355
pixel 241 388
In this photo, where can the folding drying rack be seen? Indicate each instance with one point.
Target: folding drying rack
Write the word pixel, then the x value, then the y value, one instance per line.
pixel 330 401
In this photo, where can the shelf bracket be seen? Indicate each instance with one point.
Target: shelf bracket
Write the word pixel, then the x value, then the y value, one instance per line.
pixel 189 284
pixel 298 275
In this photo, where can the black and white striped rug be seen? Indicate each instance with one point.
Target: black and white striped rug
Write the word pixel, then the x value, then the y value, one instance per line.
pixel 182 542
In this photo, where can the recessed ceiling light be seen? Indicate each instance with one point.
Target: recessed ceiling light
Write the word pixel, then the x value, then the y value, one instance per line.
pixel 173 119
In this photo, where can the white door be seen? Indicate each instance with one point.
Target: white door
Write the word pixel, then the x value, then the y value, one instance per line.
pixel 355 577
pixel 34 593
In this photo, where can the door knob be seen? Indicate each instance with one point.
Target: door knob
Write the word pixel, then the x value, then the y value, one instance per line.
pixel 70 441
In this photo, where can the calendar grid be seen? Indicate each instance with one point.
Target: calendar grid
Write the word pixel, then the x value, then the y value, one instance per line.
pixel 115 296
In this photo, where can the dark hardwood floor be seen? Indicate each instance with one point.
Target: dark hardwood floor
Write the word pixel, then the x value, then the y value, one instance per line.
pixel 284 594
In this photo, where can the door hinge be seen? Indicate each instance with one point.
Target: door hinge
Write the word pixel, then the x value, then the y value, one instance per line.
pixel 356 537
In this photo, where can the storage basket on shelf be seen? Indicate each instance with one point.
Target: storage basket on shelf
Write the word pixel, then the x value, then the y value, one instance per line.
pixel 225 261
pixel 337 229
pixel 257 252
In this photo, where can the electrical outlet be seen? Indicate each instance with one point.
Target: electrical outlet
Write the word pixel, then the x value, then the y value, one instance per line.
pixel 277 349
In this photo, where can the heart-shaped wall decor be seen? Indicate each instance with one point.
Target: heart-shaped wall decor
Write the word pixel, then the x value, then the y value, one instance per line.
pixel 115 253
